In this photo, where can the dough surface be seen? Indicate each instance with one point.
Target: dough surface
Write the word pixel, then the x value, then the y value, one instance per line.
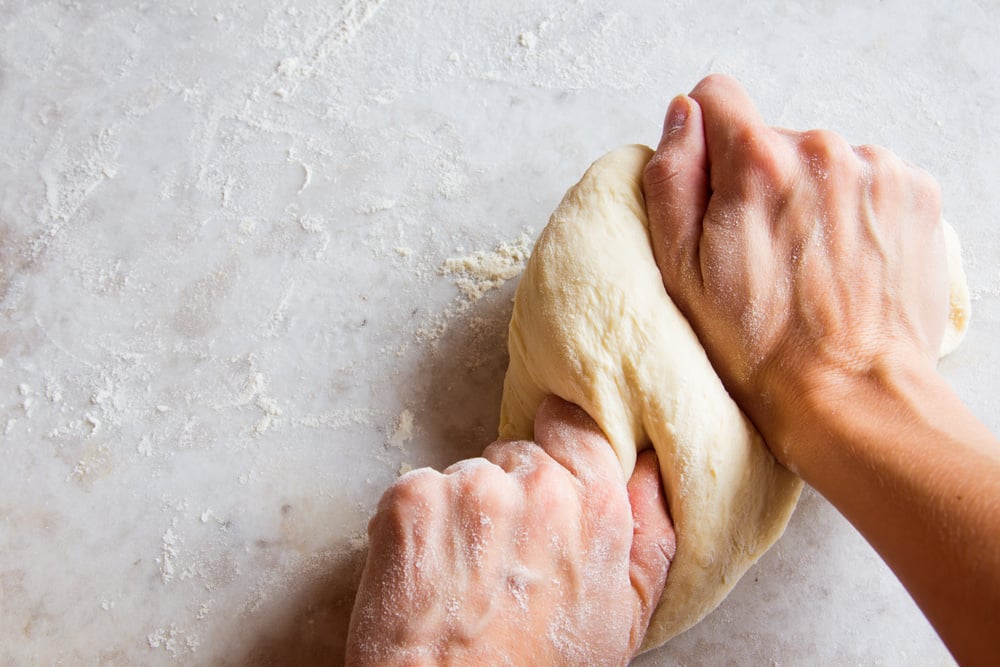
pixel 593 325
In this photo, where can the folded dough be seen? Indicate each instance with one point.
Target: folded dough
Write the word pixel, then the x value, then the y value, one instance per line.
pixel 593 325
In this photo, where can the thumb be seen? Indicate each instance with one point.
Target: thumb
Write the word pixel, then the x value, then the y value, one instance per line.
pixel 677 189
pixel 568 434
pixel 653 540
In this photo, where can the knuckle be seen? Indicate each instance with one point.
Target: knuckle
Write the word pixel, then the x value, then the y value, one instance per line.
pixel 415 489
pixel 748 140
pixel 892 177
pixel 928 193
pixel 883 164
pixel 659 171
pixel 512 454
pixel 475 474
pixel 545 472
pixel 827 154
pixel 870 152
pixel 483 486
pixel 760 153
pixel 716 83
pixel 553 487
pixel 824 144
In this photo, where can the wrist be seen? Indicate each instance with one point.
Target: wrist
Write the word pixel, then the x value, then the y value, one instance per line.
pixel 821 410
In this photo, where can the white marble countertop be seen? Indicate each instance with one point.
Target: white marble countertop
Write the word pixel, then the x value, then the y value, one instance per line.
pixel 225 327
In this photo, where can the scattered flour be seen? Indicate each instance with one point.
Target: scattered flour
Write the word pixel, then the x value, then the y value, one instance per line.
pixel 359 542
pixel 485 270
pixel 204 609
pixel 255 392
pixel 170 544
pixel 172 640
pixel 403 432
pixel 376 205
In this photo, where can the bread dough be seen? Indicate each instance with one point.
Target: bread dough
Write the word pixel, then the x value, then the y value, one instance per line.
pixel 593 325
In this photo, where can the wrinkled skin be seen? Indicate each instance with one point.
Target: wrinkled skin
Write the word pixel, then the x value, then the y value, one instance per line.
pixel 802 262
pixel 536 553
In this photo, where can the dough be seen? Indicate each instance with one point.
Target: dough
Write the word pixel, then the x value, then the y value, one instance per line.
pixel 593 325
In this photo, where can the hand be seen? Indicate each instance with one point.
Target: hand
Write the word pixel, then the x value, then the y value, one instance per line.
pixel 533 554
pixel 804 264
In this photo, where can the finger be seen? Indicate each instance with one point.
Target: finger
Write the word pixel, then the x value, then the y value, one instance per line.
pixel 730 115
pixel 676 188
pixel 654 542
pixel 567 434
pixel 737 138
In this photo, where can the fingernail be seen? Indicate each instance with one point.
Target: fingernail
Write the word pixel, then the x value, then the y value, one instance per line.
pixel 677 113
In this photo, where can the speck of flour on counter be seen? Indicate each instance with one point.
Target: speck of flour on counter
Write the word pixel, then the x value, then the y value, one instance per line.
pixel 527 39
pixel 403 431
pixel 170 543
pixel 173 641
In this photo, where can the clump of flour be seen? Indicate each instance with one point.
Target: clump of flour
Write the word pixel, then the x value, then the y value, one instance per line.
pixel 485 270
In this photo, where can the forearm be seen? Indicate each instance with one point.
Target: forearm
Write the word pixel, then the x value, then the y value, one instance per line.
pixel 919 476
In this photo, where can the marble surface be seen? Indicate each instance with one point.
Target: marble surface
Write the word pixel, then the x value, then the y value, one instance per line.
pixel 228 320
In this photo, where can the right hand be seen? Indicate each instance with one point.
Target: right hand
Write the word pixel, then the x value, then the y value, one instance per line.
pixel 805 265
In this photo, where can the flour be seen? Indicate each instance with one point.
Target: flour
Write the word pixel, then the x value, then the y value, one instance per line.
pixel 169 546
pixel 376 205
pixel 204 608
pixel 340 419
pixel 255 392
pixel 486 270
pixel 173 640
pixel 359 542
pixel 403 432
pixel 94 422
pixel 315 36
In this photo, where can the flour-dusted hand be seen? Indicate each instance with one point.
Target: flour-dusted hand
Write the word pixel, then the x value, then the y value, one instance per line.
pixel 806 264
pixel 815 275
pixel 536 553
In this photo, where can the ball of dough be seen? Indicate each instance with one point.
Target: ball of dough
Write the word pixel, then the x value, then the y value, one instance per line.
pixel 593 324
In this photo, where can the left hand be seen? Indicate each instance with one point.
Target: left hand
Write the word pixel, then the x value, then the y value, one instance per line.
pixel 536 553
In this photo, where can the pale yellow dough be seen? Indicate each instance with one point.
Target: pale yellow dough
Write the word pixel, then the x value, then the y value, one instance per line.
pixel 593 325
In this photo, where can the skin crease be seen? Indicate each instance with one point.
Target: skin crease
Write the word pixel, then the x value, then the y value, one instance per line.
pixel 814 274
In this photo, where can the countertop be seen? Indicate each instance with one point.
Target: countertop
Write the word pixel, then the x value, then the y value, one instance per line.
pixel 228 319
